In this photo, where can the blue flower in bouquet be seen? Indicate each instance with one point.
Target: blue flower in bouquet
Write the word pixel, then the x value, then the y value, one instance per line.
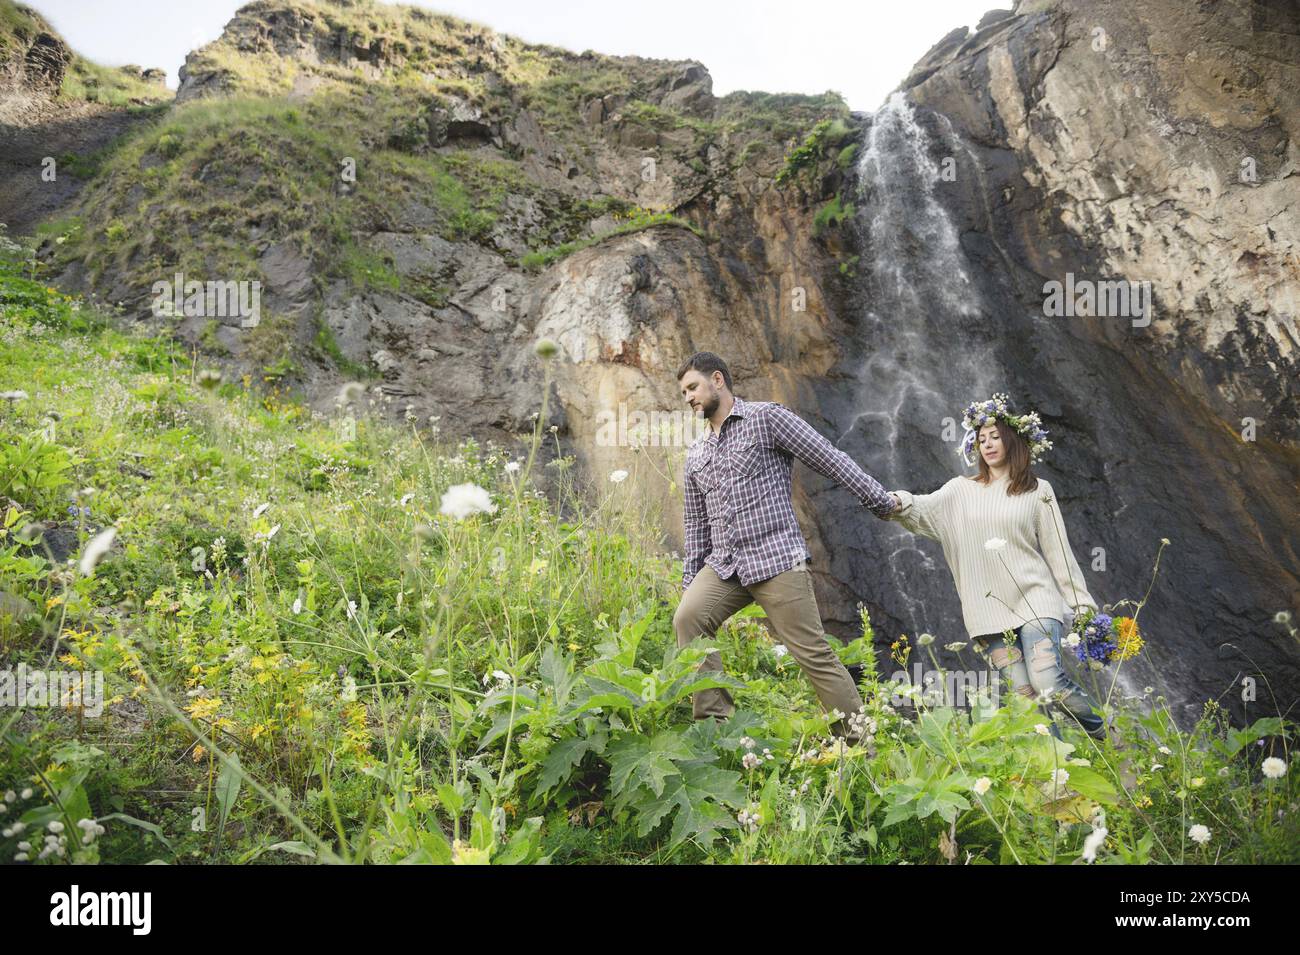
pixel 1097 639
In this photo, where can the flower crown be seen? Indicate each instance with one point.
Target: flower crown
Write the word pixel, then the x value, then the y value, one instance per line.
pixel 998 408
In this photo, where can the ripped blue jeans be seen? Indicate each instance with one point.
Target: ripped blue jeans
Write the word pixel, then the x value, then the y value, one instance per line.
pixel 1034 666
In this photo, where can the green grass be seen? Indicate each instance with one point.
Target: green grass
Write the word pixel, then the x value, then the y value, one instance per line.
pixel 636 222
pixel 109 85
pixel 831 214
pixel 306 655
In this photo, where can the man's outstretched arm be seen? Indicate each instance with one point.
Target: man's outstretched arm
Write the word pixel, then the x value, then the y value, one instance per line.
pixel 792 434
pixel 698 541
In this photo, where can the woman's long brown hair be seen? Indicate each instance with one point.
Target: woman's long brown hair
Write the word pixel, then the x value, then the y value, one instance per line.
pixel 1022 479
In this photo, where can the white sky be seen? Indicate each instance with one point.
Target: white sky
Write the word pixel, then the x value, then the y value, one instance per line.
pixel 862 49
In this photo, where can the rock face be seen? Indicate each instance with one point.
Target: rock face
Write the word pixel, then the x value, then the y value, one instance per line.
pixel 1034 150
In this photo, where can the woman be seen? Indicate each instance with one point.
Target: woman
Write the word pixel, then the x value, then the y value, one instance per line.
pixel 1005 543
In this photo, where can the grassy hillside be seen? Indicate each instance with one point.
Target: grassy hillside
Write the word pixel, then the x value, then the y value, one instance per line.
pixel 83 80
pixel 306 659
pixel 216 180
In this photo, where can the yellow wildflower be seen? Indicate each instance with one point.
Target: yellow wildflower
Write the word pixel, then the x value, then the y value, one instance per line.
pixel 900 650
pixel 1128 640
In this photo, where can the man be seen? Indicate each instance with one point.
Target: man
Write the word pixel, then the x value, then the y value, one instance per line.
pixel 743 543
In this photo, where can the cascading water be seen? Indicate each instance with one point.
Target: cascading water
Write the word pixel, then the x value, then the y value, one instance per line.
pixel 931 323
pixel 918 294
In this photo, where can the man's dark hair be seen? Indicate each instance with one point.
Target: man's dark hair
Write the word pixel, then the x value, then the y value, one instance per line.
pixel 706 363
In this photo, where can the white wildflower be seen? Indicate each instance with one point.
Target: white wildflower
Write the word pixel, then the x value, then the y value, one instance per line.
pixel 1199 834
pixel 1274 768
pixel 465 500
pixel 618 477
pixel 982 785
pixel 96 550
pixel 1094 842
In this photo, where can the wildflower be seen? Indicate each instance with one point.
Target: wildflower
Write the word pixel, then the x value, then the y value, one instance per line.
pixel 982 785
pixel 512 467
pixel 925 639
pixel 297 605
pixel 96 550
pixel 1166 750
pixel 1128 639
pixel 618 477
pixel 1199 834
pixel 10 795
pixel 954 647
pixel 747 742
pixel 261 509
pixel 348 693
pixel 1060 777
pixel 1041 729
pixel 465 500
pixel 1274 768
pixel 546 348
pixel 55 826
pixel 406 499
pixel 350 392
pixel 751 760
pixel 1155 766
pixel 749 819
pixel 352 610
pixel 780 650
pixel 1092 843
pixel 1282 616
pixel 994 543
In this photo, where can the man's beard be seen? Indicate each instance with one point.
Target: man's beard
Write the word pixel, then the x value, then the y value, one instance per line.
pixel 707 408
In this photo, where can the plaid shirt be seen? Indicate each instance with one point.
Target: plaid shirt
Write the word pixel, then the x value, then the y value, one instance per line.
pixel 738 512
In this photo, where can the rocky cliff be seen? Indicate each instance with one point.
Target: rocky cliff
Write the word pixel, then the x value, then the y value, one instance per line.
pixel 422 198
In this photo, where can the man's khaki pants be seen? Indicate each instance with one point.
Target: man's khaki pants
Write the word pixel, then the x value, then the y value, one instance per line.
pixel 791 606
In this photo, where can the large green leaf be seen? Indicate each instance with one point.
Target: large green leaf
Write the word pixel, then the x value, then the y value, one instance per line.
pixel 636 761
pixel 564 756
pixel 701 795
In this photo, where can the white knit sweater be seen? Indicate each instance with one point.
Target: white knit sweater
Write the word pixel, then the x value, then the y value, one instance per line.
pixel 1034 574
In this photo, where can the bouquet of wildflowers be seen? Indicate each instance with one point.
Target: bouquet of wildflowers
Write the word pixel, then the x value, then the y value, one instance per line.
pixel 1099 638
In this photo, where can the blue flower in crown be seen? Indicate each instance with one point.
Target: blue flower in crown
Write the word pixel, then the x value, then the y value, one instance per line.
pixel 998 408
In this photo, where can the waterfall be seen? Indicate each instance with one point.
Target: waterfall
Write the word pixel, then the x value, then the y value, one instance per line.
pixel 921 309
pixel 931 323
